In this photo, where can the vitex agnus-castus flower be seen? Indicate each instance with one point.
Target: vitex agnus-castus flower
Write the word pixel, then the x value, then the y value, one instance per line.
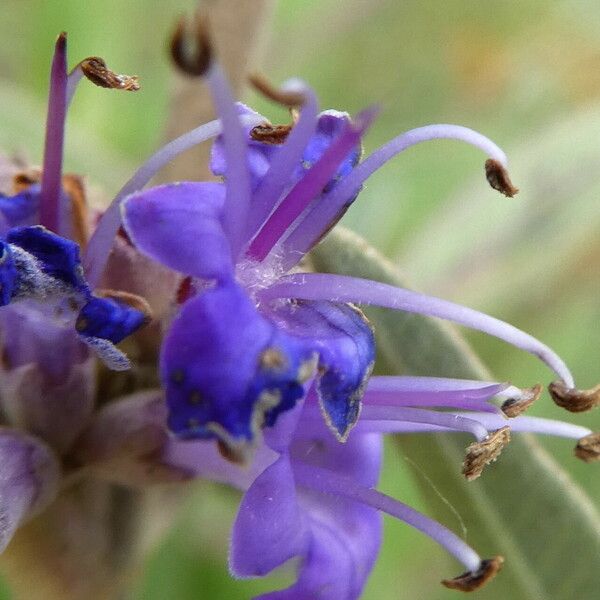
pixel 266 370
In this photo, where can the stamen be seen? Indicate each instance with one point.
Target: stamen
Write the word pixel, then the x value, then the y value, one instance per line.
pixel 416 415
pixel 471 581
pixel 194 54
pixel 574 400
pixel 498 178
pixel 481 454
pixel 191 48
pixel 517 405
pixel 588 448
pixel 103 237
pixel 287 98
pixel 319 218
pixel 23 180
pixel 277 179
pixel 309 187
pixel 134 300
pixel 50 196
pixel 270 134
pixel 341 288
pixel 328 482
pixel 96 70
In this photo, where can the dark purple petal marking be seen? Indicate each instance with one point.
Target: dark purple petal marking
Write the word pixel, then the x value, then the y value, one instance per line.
pixel 270 527
pixel 340 288
pixel 180 226
pixel 227 370
pixel 50 209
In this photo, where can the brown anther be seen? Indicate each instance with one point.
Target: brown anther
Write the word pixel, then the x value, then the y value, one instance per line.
pixel 263 86
pixel 25 179
pixel 191 47
pixel 95 69
pixel 471 581
pixel 81 323
pixel 133 300
pixel 513 407
pixel 270 134
pixel 574 400
pixel 588 448
pixel 499 179
pixel 272 359
pixel 231 454
pixel 483 453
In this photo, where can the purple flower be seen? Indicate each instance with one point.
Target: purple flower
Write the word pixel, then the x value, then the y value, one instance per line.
pixel 49 319
pixel 255 353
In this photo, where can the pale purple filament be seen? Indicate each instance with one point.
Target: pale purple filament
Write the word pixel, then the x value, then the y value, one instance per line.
pixel 102 240
pixel 328 482
pixel 340 288
pixel 318 219
pixel 237 199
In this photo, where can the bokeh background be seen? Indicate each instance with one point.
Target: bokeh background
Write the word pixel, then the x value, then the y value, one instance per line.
pixel 526 73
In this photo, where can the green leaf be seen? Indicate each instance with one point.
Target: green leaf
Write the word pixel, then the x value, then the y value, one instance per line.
pixel 525 506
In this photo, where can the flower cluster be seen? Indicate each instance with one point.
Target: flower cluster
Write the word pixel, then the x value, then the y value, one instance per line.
pixel 265 369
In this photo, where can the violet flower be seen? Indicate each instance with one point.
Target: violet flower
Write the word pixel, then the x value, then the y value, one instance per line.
pixel 254 356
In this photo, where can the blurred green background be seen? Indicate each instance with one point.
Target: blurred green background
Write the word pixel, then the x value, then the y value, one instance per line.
pixel 526 73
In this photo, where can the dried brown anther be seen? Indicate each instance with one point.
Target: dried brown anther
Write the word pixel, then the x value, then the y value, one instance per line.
pixel 574 400
pixel 471 581
pixel 191 47
pixel 95 69
pixel 270 134
pixel 25 179
pixel 286 98
pixel 482 453
pixel 588 448
pixel 499 179
pixel 513 407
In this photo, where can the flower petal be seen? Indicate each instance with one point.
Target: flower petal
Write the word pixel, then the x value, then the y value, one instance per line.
pixel 346 346
pixel 20 208
pixel 227 369
pixel 270 527
pixel 179 225
pixel 29 474
pixel 58 257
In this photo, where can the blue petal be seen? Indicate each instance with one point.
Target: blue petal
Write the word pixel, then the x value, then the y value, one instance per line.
pixel 329 126
pixel 270 527
pixel 179 225
pixel 58 257
pixel 228 370
pixel 8 274
pixel 346 346
pixel 20 208
pixel 109 319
